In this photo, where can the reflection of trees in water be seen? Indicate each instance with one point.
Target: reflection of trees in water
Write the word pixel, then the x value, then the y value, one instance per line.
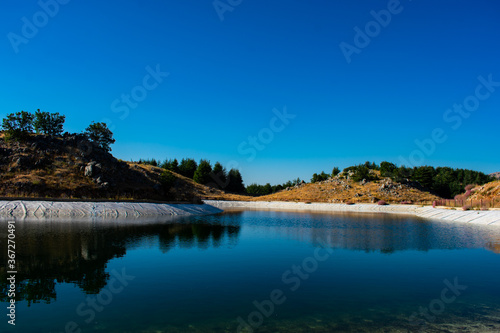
pixel 49 253
pixel 201 236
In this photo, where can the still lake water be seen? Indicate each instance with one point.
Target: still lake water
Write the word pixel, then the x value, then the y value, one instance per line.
pixel 255 271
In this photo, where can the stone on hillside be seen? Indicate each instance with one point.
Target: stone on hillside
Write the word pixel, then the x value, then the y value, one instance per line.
pixel 92 168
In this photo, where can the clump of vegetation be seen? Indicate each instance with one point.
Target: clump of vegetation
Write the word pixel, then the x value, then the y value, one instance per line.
pixel 259 190
pixel 167 180
pixel 100 134
pixel 188 167
pixel 18 126
pixel 152 162
pixel 319 177
pixel 172 165
pixel 362 171
pixel 442 181
pixel 218 176
pixel 202 173
pixel 235 182
pixel 48 123
pixel 469 187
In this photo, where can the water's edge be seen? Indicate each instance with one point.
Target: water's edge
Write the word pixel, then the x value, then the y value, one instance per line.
pixel 474 217
pixel 128 210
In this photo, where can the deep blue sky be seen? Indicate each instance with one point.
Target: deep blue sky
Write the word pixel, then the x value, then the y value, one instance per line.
pixel 226 77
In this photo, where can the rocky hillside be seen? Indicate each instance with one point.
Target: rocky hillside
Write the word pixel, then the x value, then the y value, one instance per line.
pixel 495 174
pixel 489 190
pixel 342 189
pixel 72 167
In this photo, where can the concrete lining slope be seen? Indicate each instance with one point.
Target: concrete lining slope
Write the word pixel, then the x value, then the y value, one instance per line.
pixel 475 217
pixel 102 210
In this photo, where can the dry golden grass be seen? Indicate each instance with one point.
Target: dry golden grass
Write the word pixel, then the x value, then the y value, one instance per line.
pixel 187 185
pixel 337 192
pixel 64 178
pixel 487 191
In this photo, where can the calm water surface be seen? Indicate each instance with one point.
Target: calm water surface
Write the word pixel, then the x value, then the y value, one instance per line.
pixel 255 272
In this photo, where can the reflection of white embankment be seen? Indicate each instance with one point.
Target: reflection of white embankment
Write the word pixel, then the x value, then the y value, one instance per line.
pixel 107 210
pixel 130 210
pixel 472 216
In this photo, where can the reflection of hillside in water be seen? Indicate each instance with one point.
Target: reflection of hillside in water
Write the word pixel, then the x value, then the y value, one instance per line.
pixel 48 253
pixel 384 233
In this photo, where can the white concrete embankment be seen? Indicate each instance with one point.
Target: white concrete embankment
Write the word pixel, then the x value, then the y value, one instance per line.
pixel 472 216
pixel 100 210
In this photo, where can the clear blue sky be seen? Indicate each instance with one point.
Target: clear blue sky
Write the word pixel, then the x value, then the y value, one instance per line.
pixel 226 77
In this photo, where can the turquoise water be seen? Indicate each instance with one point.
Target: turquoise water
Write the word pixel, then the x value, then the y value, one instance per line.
pixel 255 272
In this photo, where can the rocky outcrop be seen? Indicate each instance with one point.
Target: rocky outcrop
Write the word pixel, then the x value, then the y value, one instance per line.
pixel 495 174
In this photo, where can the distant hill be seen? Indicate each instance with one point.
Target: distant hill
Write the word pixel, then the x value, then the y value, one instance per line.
pixel 495 174
pixel 487 191
pixel 71 167
pixel 341 190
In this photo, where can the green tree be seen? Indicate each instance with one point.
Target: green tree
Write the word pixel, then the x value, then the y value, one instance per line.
pixel 362 172
pixel 387 169
pixel 202 173
pixel 48 123
pixel 218 176
pixel 172 165
pixel 424 175
pixel 372 165
pixel 253 189
pixel 335 171
pixel 235 183
pixel 187 167
pixel 319 177
pixel 17 126
pixel 100 134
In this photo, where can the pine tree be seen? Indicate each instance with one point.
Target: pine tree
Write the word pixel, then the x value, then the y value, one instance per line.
pixel 235 182
pixel 218 177
pixel 187 167
pixel 202 173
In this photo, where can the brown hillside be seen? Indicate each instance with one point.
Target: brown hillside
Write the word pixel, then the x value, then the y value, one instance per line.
pixel 71 167
pixel 487 191
pixel 338 190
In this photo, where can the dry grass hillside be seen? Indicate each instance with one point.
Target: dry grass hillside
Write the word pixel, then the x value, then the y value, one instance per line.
pixel 487 191
pixel 338 190
pixel 71 167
